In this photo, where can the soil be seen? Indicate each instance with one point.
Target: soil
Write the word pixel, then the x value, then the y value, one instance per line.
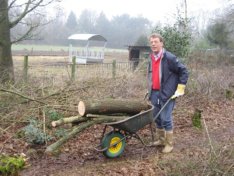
pixel 77 157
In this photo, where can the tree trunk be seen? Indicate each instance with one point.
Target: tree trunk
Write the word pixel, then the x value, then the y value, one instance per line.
pixel 186 15
pixel 6 62
pixel 111 107
pixel 77 130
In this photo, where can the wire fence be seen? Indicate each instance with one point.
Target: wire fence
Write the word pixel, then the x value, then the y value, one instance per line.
pixel 63 72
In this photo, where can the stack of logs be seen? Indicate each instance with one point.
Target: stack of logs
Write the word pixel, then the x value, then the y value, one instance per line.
pixel 97 112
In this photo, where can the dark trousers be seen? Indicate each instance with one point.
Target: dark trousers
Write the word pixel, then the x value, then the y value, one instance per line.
pixel 164 120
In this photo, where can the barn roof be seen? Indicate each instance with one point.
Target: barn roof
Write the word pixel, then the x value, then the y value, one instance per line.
pixel 86 37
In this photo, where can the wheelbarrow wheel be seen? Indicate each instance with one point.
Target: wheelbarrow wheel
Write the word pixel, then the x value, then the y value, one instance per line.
pixel 113 138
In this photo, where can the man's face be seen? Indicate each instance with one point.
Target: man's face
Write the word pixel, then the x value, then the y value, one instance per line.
pixel 155 44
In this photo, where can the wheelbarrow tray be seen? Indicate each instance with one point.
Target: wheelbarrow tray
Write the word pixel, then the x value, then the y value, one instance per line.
pixel 136 122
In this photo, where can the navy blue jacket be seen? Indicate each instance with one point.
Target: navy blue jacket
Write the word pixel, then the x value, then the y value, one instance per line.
pixel 172 73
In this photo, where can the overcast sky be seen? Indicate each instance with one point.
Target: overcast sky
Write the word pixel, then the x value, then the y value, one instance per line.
pixel 154 10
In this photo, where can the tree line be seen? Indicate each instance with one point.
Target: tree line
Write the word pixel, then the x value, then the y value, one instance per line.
pixel 120 31
pixel 123 30
pixel 27 21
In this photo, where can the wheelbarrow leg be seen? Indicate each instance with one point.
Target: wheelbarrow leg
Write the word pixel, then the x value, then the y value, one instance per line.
pixel 103 132
pixel 138 137
pixel 96 147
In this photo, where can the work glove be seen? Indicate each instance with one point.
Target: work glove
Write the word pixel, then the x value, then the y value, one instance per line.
pixel 179 91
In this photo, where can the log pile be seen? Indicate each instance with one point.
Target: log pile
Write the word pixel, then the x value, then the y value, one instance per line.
pixel 96 112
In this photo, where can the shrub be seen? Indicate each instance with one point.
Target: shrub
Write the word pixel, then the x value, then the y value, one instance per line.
pixel 34 134
pixel 10 165
pixel 175 41
pixel 53 115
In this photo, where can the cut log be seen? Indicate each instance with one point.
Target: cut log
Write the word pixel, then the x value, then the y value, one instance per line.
pixel 111 106
pixel 78 129
pixel 73 119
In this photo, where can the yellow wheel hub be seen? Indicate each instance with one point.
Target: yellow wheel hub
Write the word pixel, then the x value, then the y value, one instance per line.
pixel 116 148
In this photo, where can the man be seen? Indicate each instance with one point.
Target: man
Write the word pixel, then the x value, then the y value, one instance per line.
pixel 167 78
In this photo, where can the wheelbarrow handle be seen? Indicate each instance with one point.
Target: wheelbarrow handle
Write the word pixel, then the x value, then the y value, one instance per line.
pixel 157 115
pixel 146 95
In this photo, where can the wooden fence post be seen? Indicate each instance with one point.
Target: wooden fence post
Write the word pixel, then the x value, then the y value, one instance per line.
pixel 25 70
pixel 73 71
pixel 113 68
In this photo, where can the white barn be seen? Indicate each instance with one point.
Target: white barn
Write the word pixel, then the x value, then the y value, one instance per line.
pixel 87 54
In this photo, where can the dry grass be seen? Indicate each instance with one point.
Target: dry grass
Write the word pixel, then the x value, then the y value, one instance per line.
pixel 56 71
pixel 52 86
pixel 210 75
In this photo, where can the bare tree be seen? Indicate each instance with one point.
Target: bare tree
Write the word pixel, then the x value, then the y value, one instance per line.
pixel 186 13
pixel 221 27
pixel 13 13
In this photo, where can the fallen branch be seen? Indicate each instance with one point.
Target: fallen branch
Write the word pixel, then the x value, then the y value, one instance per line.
pixel 23 96
pixel 208 135
pixel 76 130
pixel 73 119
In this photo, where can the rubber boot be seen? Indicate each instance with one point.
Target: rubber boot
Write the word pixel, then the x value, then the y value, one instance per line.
pixel 161 138
pixel 168 142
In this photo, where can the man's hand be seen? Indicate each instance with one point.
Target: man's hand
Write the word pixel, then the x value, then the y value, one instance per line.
pixel 179 91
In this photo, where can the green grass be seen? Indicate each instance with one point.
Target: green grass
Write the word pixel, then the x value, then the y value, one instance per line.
pixel 11 165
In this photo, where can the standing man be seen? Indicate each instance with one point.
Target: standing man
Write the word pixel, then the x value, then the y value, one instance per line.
pixel 167 78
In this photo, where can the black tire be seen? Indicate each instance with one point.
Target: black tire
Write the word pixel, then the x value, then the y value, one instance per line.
pixel 111 138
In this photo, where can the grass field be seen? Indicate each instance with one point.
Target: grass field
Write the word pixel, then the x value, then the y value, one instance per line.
pixel 55 70
pixel 39 47
pixel 19 47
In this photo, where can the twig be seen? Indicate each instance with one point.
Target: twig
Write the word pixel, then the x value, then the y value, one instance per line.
pixel 44 117
pixel 3 129
pixel 208 135
pixel 228 169
pixel 63 109
pixel 23 96
pixel 16 121
pixel 53 94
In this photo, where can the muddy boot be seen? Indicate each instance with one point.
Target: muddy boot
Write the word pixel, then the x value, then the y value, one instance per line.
pixel 161 138
pixel 168 142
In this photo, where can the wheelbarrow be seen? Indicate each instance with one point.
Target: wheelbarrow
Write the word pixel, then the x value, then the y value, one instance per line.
pixel 112 144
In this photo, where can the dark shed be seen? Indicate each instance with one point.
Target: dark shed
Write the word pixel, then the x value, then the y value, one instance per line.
pixel 137 53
